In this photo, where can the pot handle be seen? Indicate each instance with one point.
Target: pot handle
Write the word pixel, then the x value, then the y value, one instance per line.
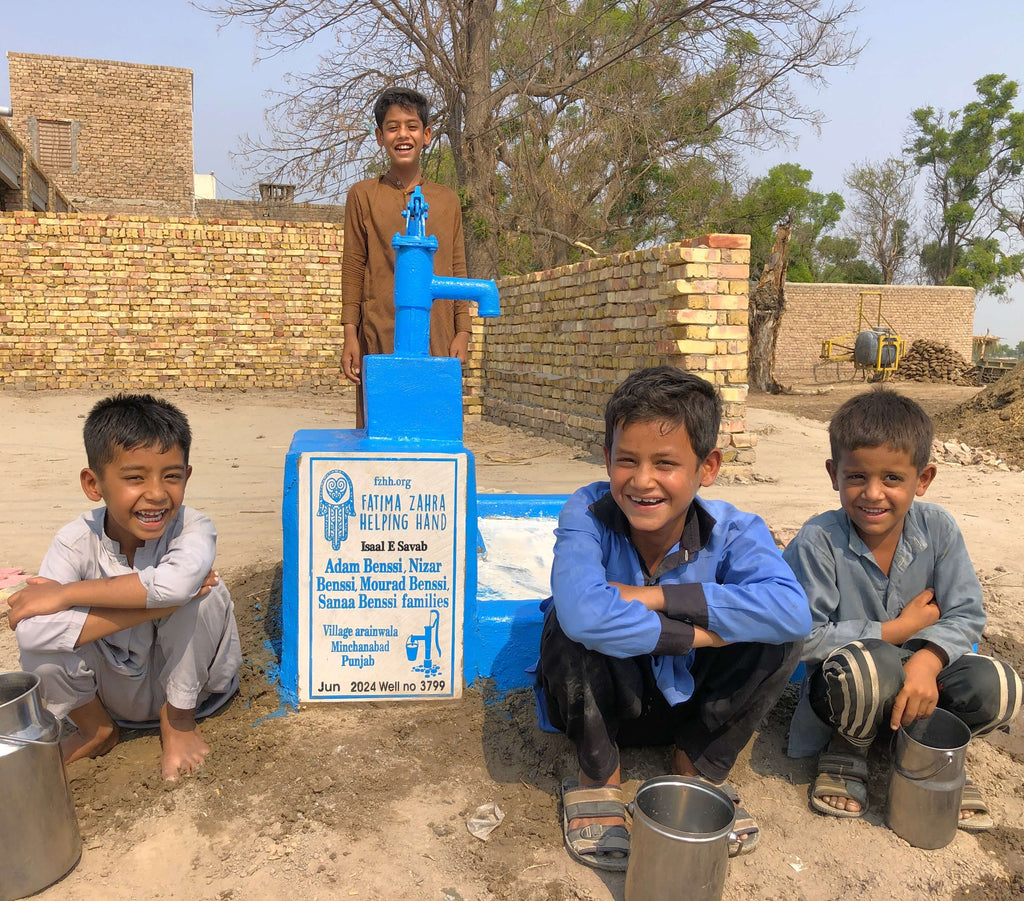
pixel 918 777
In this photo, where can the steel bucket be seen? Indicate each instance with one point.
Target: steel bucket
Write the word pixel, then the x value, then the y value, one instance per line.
pixel 40 841
pixel 679 846
pixel 927 779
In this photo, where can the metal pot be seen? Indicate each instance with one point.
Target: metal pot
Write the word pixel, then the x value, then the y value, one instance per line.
pixel 40 842
pixel 927 779
pixel 679 845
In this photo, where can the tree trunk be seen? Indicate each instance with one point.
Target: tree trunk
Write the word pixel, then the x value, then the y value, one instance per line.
pixel 766 306
pixel 478 143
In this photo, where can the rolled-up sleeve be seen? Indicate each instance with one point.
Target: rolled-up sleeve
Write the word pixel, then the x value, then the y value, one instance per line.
pixel 179 574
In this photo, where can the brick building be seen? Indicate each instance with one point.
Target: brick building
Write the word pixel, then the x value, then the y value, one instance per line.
pixel 117 137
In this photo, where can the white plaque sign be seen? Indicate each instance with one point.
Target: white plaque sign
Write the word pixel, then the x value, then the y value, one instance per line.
pixel 382 550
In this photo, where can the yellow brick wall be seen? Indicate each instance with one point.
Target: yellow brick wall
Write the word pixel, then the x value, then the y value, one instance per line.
pixel 134 303
pixel 823 311
pixel 566 337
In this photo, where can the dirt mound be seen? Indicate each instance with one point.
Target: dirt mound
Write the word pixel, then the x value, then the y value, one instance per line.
pixel 932 361
pixel 993 418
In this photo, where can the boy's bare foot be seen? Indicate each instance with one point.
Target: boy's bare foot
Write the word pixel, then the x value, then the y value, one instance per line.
pixel 843 766
pixel 682 765
pixel 184 747
pixel 97 732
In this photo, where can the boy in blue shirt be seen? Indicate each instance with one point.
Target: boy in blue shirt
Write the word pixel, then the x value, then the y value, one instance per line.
pixel 896 607
pixel 672 621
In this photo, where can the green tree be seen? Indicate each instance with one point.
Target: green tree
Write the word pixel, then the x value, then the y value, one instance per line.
pixel 973 159
pixel 839 261
pixel 767 201
pixel 572 125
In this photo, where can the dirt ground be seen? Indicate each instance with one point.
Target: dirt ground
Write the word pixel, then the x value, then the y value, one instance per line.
pixel 370 800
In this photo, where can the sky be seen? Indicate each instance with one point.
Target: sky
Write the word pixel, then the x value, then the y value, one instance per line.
pixel 917 53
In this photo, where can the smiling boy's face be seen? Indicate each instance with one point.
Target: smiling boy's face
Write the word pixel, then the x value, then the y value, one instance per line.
pixel 654 476
pixel 877 486
pixel 403 136
pixel 143 489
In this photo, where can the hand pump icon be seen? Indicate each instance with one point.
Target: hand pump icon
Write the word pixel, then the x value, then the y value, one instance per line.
pixel 428 667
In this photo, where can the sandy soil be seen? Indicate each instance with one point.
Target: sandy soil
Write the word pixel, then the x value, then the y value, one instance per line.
pixel 371 800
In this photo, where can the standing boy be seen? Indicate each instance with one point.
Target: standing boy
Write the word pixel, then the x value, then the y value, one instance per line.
pixel 373 215
pixel 127 622
pixel 896 607
pixel 673 620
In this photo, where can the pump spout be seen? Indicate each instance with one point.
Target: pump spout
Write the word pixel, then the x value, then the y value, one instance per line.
pixel 483 292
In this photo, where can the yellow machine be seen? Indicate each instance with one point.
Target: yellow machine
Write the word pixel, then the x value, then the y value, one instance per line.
pixel 872 347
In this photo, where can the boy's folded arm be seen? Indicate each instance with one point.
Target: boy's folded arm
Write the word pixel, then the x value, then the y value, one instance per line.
pixel 179 574
pixel 756 596
pixel 961 613
pixel 812 560
pixel 103 621
pixel 590 609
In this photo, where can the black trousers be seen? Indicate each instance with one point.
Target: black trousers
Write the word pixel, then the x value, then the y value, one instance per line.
pixel 603 702
pixel 854 689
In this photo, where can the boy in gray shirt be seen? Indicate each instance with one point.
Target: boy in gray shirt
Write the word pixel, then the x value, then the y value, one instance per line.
pixel 896 606
pixel 127 622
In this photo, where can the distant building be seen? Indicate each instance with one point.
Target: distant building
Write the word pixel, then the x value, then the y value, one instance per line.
pixel 117 137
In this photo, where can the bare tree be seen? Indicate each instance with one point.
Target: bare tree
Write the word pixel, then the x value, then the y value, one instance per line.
pixel 881 206
pixel 565 122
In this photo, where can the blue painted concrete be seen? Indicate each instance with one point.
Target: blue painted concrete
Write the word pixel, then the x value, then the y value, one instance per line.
pixel 502 638
pixel 413 405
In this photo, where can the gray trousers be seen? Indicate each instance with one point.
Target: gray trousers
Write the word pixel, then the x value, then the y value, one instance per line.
pixel 184 659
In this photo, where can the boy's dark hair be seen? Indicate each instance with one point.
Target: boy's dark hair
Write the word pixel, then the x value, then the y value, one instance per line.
pixel 882 418
pixel 664 393
pixel 407 99
pixel 128 421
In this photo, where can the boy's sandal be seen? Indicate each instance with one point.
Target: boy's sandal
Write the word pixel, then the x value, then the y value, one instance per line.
pixel 981 817
pixel 745 827
pixel 595 845
pixel 840 775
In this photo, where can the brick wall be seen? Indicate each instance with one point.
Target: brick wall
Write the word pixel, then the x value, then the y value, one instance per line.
pixel 270 209
pixel 130 127
pixel 817 312
pixel 566 337
pixel 136 303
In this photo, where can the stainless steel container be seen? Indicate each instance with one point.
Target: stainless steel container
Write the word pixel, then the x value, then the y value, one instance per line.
pixel 679 846
pixel 40 840
pixel 927 780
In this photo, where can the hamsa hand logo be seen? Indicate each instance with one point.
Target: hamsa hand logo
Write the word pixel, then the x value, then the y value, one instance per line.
pixel 337 504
